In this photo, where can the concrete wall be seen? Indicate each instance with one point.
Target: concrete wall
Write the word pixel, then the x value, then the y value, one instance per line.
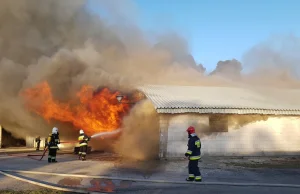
pixel 173 132
pixel 163 133
pixel 30 143
pixel 276 136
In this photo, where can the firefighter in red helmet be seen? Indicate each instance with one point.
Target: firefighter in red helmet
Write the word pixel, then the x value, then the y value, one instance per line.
pixel 194 154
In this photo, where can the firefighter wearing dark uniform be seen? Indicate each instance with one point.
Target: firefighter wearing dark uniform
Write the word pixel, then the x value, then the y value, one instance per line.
pixel 38 142
pixel 53 141
pixel 83 143
pixel 194 154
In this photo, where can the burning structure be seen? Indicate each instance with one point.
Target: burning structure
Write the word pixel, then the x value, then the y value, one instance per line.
pixel 51 66
pixel 95 111
pixel 86 112
pixel 226 118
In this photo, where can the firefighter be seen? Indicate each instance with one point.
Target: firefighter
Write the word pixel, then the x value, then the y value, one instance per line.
pixel 83 143
pixel 52 143
pixel 194 154
pixel 38 142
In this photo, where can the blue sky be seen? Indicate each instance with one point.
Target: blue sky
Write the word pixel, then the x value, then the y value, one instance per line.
pixel 220 29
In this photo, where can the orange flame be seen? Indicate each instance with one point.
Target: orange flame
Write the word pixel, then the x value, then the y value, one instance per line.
pixel 94 113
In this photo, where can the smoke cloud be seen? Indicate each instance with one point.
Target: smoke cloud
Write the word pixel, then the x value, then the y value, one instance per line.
pixel 232 68
pixel 62 42
pixel 274 62
pixel 276 135
pixel 140 136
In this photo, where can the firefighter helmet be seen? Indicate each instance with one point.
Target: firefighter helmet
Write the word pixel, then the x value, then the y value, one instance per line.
pixel 81 131
pixel 191 130
pixel 54 130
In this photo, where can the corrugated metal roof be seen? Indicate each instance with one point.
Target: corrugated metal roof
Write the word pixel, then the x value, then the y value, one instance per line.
pixel 206 99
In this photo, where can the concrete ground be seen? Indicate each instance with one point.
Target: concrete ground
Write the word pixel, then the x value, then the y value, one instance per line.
pixel 16 150
pixel 280 170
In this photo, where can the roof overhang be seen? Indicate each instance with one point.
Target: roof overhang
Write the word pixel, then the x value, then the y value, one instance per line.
pixel 221 100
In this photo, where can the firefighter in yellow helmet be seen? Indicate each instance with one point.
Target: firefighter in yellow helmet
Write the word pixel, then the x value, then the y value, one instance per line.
pixel 83 143
pixel 52 143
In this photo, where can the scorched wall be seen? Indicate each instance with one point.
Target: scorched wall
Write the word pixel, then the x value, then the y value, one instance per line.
pixel 276 136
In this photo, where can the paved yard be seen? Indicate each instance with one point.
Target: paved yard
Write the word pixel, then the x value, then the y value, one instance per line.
pixel 214 169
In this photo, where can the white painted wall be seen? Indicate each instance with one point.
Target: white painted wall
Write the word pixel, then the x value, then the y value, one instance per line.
pixel 177 135
pixel 30 142
pixel 271 137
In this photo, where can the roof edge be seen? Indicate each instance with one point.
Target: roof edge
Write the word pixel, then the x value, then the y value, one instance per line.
pixel 227 111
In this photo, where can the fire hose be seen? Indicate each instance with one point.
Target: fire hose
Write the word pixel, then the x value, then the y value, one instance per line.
pixel 44 153
pixel 46 149
pixel 67 142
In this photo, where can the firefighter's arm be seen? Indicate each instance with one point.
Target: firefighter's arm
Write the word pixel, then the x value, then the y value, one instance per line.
pixel 190 148
pixel 87 138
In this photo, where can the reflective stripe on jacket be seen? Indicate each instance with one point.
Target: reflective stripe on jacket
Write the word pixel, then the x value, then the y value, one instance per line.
pixel 83 139
pixel 53 141
pixel 194 147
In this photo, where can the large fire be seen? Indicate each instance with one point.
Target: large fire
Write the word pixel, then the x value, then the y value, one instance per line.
pixel 93 112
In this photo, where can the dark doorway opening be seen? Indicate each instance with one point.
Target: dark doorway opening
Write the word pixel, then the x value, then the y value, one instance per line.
pixel 9 141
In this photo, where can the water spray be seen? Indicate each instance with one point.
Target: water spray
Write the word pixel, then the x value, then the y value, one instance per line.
pixel 103 134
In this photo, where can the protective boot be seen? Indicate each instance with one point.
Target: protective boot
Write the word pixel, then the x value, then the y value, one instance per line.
pixel 198 179
pixel 190 178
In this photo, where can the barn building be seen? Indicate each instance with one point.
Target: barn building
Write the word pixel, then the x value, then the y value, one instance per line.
pixel 230 121
pixel 220 115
